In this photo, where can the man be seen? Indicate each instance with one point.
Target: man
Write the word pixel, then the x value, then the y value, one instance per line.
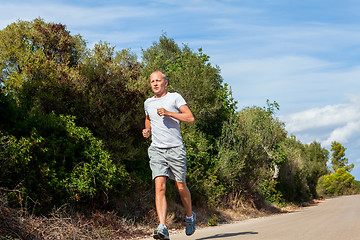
pixel 164 112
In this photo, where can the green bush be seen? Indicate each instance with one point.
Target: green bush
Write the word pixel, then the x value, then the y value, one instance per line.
pixel 57 162
pixel 336 184
pixel 269 190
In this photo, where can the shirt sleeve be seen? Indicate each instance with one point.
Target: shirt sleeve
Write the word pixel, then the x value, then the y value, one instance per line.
pixel 145 108
pixel 179 101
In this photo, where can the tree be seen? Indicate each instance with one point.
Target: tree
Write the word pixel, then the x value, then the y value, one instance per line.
pixel 336 184
pixel 338 159
pixel 339 182
pixel 42 66
pixel 315 164
pixel 50 74
pixel 49 161
pixel 109 100
pixel 37 61
pixel 251 151
pixel 292 178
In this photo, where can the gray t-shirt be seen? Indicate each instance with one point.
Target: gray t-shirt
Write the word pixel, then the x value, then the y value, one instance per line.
pixel 165 131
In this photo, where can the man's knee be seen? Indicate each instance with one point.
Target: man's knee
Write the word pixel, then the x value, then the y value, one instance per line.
pixel 181 186
pixel 160 188
pixel 160 184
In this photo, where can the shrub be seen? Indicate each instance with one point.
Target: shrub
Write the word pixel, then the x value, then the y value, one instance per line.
pixel 57 162
pixel 339 183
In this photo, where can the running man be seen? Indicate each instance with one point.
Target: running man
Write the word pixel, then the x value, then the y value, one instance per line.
pixel 164 112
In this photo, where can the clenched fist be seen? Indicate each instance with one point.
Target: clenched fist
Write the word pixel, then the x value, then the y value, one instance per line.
pixel 162 112
pixel 146 133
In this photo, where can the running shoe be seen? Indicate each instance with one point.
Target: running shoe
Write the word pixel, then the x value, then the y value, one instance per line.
pixel 190 225
pixel 161 233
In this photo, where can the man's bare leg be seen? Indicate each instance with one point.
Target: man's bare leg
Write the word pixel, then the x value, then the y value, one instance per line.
pixel 185 197
pixel 160 198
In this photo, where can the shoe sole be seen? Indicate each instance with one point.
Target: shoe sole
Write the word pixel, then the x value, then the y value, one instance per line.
pixel 163 237
pixel 160 236
pixel 156 235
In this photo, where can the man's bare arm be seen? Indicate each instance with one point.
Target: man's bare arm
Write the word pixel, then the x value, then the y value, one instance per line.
pixel 185 114
pixel 146 132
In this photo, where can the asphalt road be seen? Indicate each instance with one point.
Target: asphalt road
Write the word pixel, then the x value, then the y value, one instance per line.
pixel 335 218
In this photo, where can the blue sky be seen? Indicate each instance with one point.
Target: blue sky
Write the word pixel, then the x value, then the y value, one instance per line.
pixel 305 55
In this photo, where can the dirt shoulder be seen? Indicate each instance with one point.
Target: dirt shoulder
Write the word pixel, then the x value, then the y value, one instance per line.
pixel 62 224
pixel 225 216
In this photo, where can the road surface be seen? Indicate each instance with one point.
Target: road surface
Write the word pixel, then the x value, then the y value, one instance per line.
pixel 335 218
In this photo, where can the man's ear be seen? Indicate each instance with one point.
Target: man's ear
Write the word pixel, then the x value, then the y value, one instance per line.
pixel 166 83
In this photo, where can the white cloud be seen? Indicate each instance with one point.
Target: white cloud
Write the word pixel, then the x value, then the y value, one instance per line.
pixel 331 115
pixel 343 134
pixel 340 122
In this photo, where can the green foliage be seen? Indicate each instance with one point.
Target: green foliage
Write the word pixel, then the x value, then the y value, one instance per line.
pixel 340 182
pixel 305 164
pixel 54 161
pixel 252 152
pixel 250 145
pixel 44 68
pixel 213 221
pixel 231 161
pixel 338 159
pixel 336 184
pixel 270 192
pixel 36 60
pixel 110 100
pixel 356 187
pixel 54 72
pixel 271 107
pixel 201 179
pixel 315 161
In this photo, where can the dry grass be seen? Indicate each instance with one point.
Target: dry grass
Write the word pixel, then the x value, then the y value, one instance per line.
pixel 65 224
pixel 62 225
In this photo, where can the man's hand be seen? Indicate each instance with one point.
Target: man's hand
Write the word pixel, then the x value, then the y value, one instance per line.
pixel 146 133
pixel 185 114
pixel 162 112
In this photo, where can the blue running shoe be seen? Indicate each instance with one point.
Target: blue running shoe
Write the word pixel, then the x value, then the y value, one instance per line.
pixel 161 233
pixel 190 225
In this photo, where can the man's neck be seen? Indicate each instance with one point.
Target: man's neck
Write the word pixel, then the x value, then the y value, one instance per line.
pixel 161 95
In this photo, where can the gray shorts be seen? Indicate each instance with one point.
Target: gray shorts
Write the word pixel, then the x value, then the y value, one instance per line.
pixel 170 162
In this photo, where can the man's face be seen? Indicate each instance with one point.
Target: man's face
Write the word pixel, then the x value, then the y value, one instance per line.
pixel 158 83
